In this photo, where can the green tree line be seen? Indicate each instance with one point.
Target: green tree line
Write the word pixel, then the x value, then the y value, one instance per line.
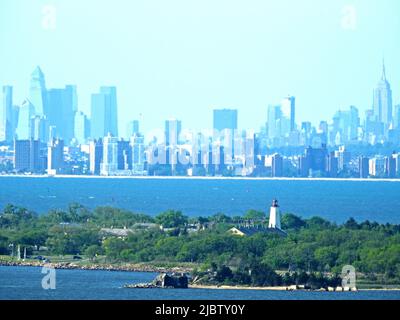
pixel 313 245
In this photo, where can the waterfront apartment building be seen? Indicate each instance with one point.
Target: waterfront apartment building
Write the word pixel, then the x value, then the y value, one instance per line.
pixel 124 155
pixel 391 166
pixel 377 166
pixel 332 165
pixel 314 160
pixel 277 166
pixel 109 166
pixel 95 156
pixel 363 167
pixel 27 155
pixel 138 155
pixel 55 157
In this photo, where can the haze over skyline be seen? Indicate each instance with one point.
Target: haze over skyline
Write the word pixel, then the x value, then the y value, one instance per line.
pixel 184 58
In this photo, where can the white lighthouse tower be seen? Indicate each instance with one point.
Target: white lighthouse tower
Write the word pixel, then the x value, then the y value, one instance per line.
pixel 274 216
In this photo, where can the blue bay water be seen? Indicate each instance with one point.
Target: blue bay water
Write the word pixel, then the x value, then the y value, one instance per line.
pixel 334 200
pixel 24 283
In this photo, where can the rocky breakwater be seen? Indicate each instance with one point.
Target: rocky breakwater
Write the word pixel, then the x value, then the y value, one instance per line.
pixel 164 281
pixel 20 264
pixel 99 267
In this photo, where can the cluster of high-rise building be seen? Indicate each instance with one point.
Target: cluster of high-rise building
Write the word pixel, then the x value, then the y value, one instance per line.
pixel 381 123
pixel 48 134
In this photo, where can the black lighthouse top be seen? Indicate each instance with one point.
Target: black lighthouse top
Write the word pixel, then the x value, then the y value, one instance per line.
pixel 275 203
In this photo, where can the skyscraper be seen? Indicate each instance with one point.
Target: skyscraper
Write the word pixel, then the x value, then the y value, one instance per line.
pixel 363 167
pixel 99 115
pixel 15 115
pixel 70 107
pixel 332 165
pixel 132 128
pixel 7 128
pixel 346 123
pixel 397 116
pixel 37 92
pixel 26 112
pixel 109 165
pixel 390 166
pixel 104 113
pixel 383 100
pixel 225 119
pixel 377 166
pixel 95 156
pixel 277 166
pixel 60 111
pixel 74 96
pixel 344 158
pixel 314 159
pixel 55 157
pixel 39 128
pixel 26 155
pixel 274 122
pixel 173 129
pixel 21 155
pixel 124 155
pixel 372 126
pixel 111 92
pixel 82 127
pixel 138 154
pixel 289 111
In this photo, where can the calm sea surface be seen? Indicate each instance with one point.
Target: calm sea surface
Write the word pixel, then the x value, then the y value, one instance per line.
pixel 335 200
pixel 24 283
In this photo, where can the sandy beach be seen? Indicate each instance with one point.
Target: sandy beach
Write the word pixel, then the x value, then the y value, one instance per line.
pixel 281 288
pixel 237 288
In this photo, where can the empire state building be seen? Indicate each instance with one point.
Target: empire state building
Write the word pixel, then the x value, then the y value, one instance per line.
pixel 383 101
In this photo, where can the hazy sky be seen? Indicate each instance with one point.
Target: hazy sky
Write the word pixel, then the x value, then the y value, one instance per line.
pixel 182 58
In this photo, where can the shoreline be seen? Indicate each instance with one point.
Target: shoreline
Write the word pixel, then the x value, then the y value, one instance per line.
pixel 194 178
pixel 97 267
pixel 159 270
pixel 280 288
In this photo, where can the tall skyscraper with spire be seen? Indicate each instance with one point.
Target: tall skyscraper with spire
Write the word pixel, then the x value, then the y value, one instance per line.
pixel 383 100
pixel 37 92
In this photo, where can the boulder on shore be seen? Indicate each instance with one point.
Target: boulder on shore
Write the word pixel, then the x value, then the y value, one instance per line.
pixel 164 280
pixel 177 281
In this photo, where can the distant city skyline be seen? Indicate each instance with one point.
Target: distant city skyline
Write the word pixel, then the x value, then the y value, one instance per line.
pixel 48 134
pixel 60 109
pixel 185 59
